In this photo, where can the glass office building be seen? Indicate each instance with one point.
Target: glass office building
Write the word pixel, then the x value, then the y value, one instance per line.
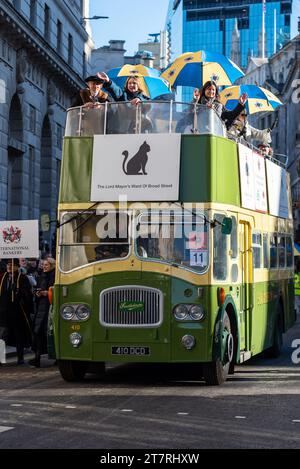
pixel 231 27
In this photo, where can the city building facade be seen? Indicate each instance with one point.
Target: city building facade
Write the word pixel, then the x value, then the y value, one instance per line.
pixel 107 57
pixel 221 26
pixel 45 49
pixel 152 53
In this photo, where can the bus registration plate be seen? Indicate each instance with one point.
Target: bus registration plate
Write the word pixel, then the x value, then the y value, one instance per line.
pixel 138 351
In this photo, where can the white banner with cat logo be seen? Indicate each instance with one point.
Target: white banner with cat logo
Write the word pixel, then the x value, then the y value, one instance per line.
pixel 141 167
pixel 19 239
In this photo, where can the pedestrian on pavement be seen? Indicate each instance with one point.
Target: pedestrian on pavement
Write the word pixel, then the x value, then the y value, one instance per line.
pixel 40 323
pixel 15 308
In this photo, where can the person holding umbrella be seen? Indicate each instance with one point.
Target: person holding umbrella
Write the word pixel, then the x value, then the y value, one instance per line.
pixel 259 100
pixel 133 93
pixel 241 128
pixel 208 96
pixel 132 90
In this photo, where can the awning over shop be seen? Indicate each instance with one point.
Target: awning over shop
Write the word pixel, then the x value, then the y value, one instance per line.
pixel 296 249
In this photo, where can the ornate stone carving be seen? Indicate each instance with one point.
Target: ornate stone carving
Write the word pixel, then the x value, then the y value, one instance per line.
pixel 22 65
pixel 51 93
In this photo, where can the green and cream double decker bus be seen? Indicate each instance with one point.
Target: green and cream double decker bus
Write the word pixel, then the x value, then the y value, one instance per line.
pixel 174 243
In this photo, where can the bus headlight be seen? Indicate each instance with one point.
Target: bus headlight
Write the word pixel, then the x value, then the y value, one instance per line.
pixel 75 339
pixel 180 312
pixel 83 313
pixel 68 313
pixel 187 312
pixel 196 313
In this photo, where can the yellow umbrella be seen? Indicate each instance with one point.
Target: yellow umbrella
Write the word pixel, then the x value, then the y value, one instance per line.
pixel 259 99
pixel 196 68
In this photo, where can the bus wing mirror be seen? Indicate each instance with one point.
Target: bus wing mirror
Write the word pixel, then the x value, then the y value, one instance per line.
pixel 227 226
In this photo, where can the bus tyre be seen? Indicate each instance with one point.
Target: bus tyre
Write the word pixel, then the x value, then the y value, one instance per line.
pixel 275 350
pixel 72 370
pixel 216 372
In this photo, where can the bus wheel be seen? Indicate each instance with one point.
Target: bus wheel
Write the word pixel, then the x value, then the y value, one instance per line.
pixel 216 372
pixel 275 350
pixel 72 370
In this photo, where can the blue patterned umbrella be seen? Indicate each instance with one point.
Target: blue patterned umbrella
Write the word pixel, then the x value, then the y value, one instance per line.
pixel 151 82
pixel 196 68
pixel 259 99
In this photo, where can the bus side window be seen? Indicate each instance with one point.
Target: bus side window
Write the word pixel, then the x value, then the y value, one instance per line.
pixel 233 239
pixel 220 251
pixel 289 252
pixel 266 251
pixel 281 251
pixel 234 252
pixel 256 246
pixel 273 252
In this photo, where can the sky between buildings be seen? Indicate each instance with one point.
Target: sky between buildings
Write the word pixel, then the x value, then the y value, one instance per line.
pixel 130 20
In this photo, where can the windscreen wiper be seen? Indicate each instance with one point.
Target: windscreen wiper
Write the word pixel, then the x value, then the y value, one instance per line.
pixel 78 214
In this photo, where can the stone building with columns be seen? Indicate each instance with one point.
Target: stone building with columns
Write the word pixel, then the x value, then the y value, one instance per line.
pixel 45 49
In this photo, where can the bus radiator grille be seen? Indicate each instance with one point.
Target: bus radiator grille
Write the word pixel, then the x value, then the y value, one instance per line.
pixel 131 306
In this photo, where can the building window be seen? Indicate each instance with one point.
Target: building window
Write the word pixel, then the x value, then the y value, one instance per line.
pixel 47 20
pixel 287 20
pixel 84 65
pixel 59 136
pixel 82 7
pixel 31 181
pixel 32 119
pixel 70 49
pixel 243 23
pixel 17 4
pixel 33 10
pixel 59 36
pixel 285 7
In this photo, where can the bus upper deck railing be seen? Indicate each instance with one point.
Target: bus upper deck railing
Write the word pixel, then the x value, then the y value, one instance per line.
pixel 147 117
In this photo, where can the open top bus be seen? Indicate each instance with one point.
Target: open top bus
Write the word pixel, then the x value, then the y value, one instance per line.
pixel 175 243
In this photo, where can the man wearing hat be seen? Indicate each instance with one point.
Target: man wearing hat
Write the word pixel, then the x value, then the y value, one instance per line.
pixel 92 95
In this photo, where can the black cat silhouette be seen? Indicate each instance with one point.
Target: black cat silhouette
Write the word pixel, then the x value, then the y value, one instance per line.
pixel 138 162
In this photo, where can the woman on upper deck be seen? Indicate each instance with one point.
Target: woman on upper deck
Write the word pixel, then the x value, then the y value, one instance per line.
pixel 132 93
pixel 132 90
pixel 209 95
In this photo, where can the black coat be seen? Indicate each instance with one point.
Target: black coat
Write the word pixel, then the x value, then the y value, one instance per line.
pixel 15 309
pixel 44 281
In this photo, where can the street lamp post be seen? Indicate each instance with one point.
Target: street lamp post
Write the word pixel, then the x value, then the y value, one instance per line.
pixel 95 17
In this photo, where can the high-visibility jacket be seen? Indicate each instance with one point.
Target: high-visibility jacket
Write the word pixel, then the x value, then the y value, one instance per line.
pixel 297 284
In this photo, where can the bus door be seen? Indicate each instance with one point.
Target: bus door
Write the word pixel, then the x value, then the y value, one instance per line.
pixel 246 293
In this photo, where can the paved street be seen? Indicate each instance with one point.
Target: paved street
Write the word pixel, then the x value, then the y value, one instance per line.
pixel 153 407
